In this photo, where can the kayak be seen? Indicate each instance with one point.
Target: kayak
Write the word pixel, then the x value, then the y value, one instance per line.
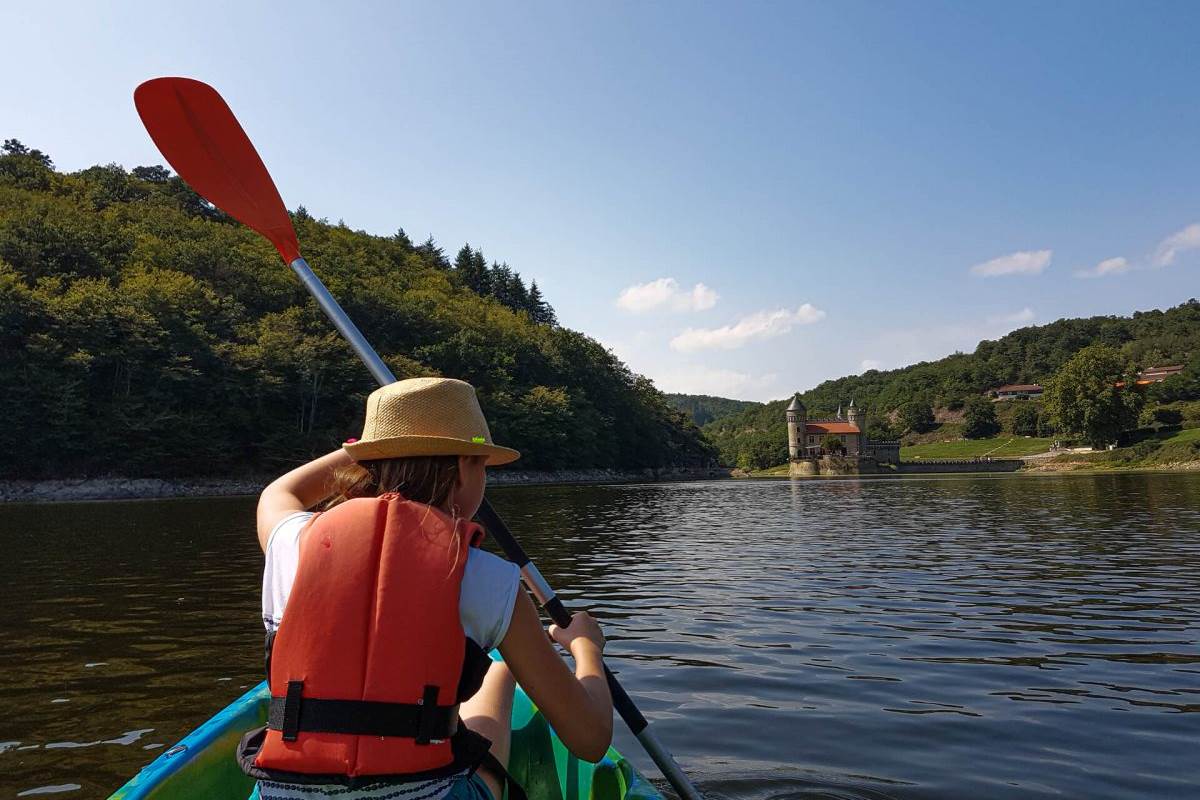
pixel 203 766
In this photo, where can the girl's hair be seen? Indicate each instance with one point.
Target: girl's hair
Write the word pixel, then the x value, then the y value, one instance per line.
pixel 425 479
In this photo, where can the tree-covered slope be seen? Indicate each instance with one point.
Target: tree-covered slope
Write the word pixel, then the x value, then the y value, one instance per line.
pixel 142 332
pixel 1027 355
pixel 704 408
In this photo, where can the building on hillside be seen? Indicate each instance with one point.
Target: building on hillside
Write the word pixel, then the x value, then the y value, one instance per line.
pixel 1016 391
pixel 1158 374
pixel 806 437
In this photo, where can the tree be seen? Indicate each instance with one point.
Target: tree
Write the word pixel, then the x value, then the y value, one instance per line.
pixel 433 255
pixel 979 418
pixel 1025 420
pixel 832 444
pixel 539 310
pixel 916 416
pixel 1093 396
pixel 157 174
pixel 1159 417
pixel 13 147
pixel 401 238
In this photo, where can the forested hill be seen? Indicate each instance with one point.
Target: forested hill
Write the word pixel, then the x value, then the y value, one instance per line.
pixel 704 408
pixel 1027 355
pixel 143 333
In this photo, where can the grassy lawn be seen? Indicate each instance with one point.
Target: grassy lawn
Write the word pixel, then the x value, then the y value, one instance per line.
pixel 1185 435
pixel 997 447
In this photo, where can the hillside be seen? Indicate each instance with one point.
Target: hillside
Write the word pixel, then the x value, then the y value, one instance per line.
pixel 1027 355
pixel 704 408
pixel 143 333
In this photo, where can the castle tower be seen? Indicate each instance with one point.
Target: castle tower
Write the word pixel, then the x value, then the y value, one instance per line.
pixel 797 419
pixel 855 417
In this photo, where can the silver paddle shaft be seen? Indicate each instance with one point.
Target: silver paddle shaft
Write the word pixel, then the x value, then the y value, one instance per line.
pixel 346 327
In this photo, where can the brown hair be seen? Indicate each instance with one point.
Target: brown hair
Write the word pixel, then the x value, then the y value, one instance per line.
pixel 425 479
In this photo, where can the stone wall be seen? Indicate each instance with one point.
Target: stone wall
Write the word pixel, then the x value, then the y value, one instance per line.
pixel 854 465
pixel 836 465
pixel 962 465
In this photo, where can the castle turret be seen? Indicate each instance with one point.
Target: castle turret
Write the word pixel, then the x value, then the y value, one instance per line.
pixel 797 419
pixel 855 417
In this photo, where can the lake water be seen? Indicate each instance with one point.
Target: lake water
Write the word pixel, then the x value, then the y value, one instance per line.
pixel 984 637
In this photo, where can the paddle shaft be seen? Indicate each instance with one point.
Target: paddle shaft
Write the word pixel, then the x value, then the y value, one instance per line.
pixel 622 702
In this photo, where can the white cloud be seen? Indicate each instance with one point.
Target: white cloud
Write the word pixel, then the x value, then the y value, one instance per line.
pixel 760 325
pixel 1176 243
pixel 1026 262
pixel 666 293
pixel 719 382
pixel 1015 318
pixel 1109 266
pixel 869 364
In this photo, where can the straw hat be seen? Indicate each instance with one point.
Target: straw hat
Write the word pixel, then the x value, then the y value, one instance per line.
pixel 426 417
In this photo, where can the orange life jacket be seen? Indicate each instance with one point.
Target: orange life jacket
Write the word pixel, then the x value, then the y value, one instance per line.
pixel 370 662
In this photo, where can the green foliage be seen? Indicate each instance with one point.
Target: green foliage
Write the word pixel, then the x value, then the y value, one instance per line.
pixel 1028 355
pixel 703 408
pixel 979 418
pixel 832 444
pixel 143 332
pixel 501 282
pixel 1160 416
pixel 760 451
pixel 1084 396
pixel 1184 386
pixel 1024 421
pixel 916 416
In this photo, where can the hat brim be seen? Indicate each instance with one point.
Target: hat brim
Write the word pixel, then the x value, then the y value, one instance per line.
pixel 404 446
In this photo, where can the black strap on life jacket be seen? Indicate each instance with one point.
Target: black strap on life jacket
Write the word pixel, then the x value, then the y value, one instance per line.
pixel 425 722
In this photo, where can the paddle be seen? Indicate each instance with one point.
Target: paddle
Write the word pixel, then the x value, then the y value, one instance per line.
pixel 202 139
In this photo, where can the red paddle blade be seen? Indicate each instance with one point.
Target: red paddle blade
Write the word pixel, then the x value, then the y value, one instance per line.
pixel 201 138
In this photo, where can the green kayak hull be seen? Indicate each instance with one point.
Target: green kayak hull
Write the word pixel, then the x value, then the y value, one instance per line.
pixel 202 765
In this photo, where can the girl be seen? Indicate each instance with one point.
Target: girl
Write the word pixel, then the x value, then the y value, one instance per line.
pixel 418 475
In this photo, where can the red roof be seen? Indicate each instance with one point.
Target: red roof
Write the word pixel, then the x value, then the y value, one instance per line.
pixel 1019 387
pixel 831 427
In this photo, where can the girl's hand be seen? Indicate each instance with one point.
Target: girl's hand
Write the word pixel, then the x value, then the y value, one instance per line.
pixel 583 628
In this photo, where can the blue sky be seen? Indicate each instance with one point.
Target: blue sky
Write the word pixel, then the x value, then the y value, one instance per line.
pixel 851 184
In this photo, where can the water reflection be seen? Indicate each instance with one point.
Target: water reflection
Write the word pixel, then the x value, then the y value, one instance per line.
pixel 1002 636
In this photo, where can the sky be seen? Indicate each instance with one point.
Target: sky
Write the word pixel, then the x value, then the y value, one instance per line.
pixel 740 199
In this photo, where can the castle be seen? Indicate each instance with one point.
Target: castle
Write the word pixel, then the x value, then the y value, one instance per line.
pixel 806 437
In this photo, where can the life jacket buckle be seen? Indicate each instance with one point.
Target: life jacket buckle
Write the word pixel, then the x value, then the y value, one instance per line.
pixel 427 726
pixel 291 711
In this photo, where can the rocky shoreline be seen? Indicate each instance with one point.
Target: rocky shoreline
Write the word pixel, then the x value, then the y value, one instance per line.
pixel 117 488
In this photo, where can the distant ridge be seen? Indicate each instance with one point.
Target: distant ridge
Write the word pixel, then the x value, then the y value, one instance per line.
pixel 1027 355
pixel 705 408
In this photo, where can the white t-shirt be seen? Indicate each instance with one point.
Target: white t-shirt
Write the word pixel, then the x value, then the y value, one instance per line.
pixel 485 603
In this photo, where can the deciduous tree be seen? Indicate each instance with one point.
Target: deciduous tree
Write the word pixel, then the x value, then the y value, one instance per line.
pixel 1093 395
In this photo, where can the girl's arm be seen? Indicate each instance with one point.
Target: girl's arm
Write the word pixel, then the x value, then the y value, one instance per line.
pixel 298 490
pixel 578 706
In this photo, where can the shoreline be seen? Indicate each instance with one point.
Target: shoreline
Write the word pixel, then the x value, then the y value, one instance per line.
pixel 118 488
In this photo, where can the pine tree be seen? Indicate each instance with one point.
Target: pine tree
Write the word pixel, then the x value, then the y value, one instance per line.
pixel 402 239
pixel 462 261
pixel 482 278
pixel 518 295
pixel 539 310
pixel 433 254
